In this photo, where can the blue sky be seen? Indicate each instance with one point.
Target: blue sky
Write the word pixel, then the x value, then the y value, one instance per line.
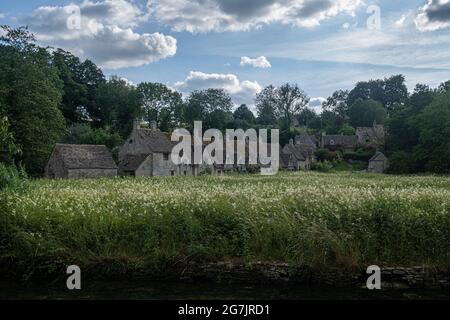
pixel 322 45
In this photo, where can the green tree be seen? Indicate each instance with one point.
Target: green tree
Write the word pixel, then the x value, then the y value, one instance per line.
pixel 75 97
pixel 160 104
pixel 347 130
pixel 390 92
pixel 290 101
pixel 8 147
pixel 243 113
pixel 337 103
pixel 118 105
pixel 266 106
pixel 307 117
pixel 433 151
pixel 31 93
pixel 363 113
pixel 212 106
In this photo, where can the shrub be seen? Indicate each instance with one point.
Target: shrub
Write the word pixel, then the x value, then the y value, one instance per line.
pixel 11 176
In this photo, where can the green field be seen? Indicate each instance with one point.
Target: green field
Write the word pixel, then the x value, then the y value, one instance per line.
pixel 307 219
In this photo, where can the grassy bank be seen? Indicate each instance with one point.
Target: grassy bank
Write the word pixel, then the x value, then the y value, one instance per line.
pixel 307 219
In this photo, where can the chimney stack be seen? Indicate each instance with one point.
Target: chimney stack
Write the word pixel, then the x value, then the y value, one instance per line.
pixel 153 125
pixel 291 142
pixel 136 124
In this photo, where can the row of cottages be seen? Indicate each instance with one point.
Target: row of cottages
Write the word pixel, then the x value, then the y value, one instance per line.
pixel 363 136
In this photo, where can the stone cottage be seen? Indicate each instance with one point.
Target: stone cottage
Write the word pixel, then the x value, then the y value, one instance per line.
pixel 378 163
pixel 70 161
pixel 306 139
pixel 296 156
pixel 334 142
pixel 374 134
pixel 147 153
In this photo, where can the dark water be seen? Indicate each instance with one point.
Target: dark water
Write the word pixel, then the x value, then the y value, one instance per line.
pixel 142 290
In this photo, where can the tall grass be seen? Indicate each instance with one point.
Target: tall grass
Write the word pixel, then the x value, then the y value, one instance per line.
pixel 306 219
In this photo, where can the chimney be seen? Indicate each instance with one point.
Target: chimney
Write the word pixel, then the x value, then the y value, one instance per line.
pixel 153 125
pixel 291 142
pixel 136 124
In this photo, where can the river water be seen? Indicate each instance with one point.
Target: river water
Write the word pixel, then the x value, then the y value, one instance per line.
pixel 145 290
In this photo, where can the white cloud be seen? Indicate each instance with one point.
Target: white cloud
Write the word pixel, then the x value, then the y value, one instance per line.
pixel 260 62
pixel 316 104
pixel 237 15
pixel 240 91
pixel 434 15
pixel 102 31
pixel 401 21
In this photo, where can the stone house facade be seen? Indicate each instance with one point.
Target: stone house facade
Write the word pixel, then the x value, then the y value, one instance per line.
pixel 379 163
pixel 70 161
pixel 147 153
pixel 297 156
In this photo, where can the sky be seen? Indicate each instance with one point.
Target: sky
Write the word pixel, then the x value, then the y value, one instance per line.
pixel 243 46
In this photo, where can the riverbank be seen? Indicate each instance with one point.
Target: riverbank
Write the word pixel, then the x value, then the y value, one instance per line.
pixel 154 290
pixel 306 221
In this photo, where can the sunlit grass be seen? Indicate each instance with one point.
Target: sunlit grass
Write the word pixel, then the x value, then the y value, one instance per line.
pixel 306 219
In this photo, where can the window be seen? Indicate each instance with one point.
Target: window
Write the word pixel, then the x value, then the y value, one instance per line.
pixel 172 173
pixel 166 156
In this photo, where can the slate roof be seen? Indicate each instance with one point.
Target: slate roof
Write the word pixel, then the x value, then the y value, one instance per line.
pixel 379 156
pixel 156 141
pixel 340 140
pixel 300 151
pixel 75 156
pixel 306 139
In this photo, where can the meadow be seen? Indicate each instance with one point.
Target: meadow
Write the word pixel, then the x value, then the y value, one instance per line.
pixel 343 220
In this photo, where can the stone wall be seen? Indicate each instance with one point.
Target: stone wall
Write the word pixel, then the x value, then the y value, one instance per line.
pixel 91 173
pixel 55 168
pixel 146 168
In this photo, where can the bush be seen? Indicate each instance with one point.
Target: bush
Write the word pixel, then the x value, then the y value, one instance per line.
pixel 325 154
pixel 322 166
pixel 11 176
pixel 358 156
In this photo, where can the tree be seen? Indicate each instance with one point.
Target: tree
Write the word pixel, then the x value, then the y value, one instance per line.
pixel 391 92
pixel 75 97
pixel 307 117
pixel 31 93
pixel 421 97
pixel 243 113
pixel 118 105
pixel 92 77
pixel 347 130
pixel 8 147
pixel 433 151
pixel 212 106
pixel 266 106
pixel 337 103
pixel 160 104
pixel 290 100
pixel 364 113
